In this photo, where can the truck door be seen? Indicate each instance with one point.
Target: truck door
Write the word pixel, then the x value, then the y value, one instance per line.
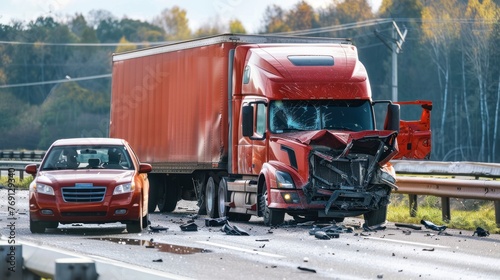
pixel 414 138
pixel 252 144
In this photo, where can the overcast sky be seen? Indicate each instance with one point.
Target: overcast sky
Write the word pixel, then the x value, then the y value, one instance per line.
pixel 199 12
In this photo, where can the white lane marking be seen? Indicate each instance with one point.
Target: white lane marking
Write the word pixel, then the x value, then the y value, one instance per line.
pixel 240 249
pixel 406 242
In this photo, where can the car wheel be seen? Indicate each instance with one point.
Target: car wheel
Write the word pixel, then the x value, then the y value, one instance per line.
pixel 37 227
pixel 136 226
pixel 211 198
pixel 272 217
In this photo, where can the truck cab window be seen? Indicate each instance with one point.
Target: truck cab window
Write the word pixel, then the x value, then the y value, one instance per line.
pixel 304 115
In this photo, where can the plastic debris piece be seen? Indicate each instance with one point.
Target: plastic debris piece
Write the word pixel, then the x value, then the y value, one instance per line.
pixel 321 235
pixel 233 230
pixel 481 232
pixel 431 225
pixel 307 269
pixel 408 226
pixel 189 227
pixel 215 222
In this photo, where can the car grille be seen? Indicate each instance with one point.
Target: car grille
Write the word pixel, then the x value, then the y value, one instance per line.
pixel 86 194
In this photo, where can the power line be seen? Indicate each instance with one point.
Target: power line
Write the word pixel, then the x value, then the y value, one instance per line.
pixel 57 81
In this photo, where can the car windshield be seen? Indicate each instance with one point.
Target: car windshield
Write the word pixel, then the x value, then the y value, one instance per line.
pixel 87 157
pixel 293 115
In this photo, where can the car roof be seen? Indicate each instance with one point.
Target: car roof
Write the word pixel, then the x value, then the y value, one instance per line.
pixel 89 141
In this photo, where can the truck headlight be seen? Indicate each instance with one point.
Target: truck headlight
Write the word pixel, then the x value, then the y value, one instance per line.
pixel 284 180
pixel 124 188
pixel 45 189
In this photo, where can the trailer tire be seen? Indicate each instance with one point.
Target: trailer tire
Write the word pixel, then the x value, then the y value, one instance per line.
pixel 223 198
pixel 167 200
pixel 153 194
pixel 211 198
pixel 272 217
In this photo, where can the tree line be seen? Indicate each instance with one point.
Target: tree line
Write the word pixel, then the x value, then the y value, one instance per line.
pixel 449 56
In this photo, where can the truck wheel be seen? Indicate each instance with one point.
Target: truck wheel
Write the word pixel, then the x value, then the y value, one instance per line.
pixel 37 227
pixel 211 198
pixel 272 217
pixel 239 217
pixel 222 198
pixel 376 217
pixel 168 195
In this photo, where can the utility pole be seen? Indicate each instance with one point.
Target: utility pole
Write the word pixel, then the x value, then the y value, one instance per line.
pixel 396 45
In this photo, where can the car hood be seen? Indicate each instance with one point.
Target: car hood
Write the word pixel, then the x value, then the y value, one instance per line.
pixel 95 176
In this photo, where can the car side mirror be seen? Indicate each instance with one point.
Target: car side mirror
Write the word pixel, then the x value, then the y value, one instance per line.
pixel 31 169
pixel 145 168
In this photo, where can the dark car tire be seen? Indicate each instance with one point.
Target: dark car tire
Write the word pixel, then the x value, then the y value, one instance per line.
pixel 37 227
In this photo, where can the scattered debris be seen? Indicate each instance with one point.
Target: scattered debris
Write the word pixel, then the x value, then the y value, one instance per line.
pixel 415 227
pixel 321 235
pixel 374 228
pixel 157 228
pixel 429 250
pixel 432 226
pixel 307 269
pixel 191 226
pixel 232 230
pixel 262 240
pixel 407 232
pixel 481 232
pixel 158 260
pixel 215 222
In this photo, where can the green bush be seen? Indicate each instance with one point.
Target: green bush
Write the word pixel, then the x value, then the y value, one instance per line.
pixel 430 209
pixel 19 184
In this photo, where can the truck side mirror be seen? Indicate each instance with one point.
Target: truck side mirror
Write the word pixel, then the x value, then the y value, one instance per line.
pixel 392 117
pixel 247 121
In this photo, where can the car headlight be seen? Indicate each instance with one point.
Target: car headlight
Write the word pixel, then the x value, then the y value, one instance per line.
pixel 45 189
pixel 124 188
pixel 284 180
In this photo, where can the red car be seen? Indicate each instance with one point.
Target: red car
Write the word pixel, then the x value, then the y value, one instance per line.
pixel 89 180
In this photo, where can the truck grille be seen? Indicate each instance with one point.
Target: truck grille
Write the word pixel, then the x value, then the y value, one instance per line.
pixel 83 194
pixel 336 173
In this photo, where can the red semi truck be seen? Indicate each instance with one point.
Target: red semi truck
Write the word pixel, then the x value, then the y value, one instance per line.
pixel 262 125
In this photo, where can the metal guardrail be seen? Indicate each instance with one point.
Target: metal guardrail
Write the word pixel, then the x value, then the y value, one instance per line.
pixel 470 180
pixel 27 155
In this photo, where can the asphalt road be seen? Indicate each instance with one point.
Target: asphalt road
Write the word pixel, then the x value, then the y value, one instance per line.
pixel 285 252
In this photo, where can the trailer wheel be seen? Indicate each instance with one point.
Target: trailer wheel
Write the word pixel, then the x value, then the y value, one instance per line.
pixel 211 198
pixel 153 194
pixel 223 198
pixel 168 197
pixel 272 217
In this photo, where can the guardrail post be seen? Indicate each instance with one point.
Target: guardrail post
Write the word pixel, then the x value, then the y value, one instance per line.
pixel 497 213
pixel 75 268
pixel 445 208
pixel 413 205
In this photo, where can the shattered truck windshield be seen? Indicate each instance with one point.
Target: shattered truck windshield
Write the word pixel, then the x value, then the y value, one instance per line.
pixel 300 115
